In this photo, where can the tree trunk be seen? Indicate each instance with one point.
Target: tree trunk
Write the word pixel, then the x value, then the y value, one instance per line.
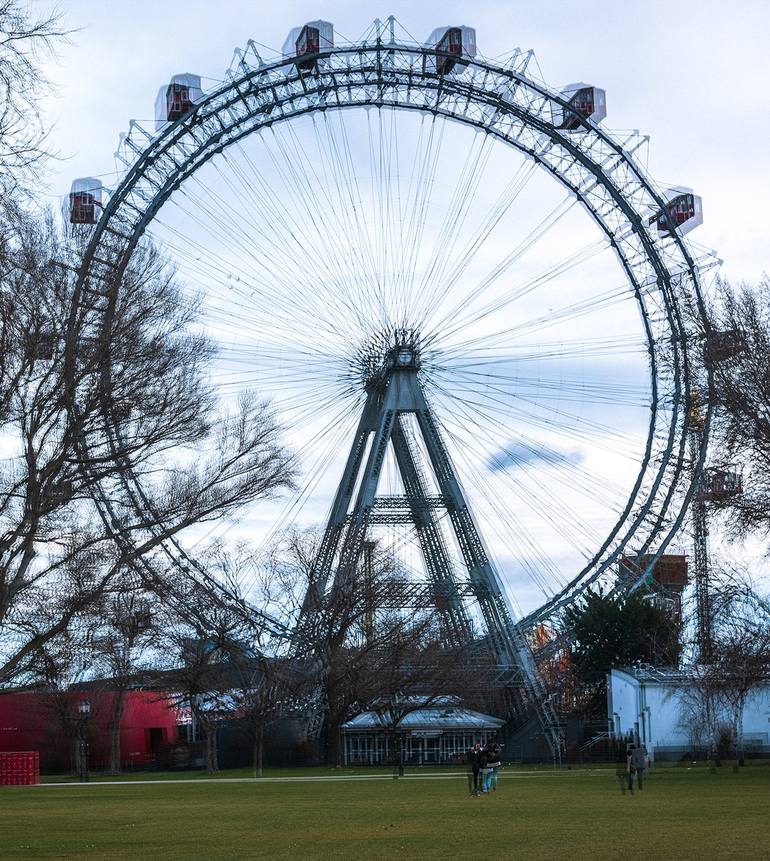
pixel 77 757
pixel 116 717
pixel 394 750
pixel 212 759
pixel 739 733
pixel 259 736
pixel 712 732
pixel 333 747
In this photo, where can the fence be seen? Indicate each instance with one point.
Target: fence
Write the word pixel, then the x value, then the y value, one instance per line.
pixel 21 768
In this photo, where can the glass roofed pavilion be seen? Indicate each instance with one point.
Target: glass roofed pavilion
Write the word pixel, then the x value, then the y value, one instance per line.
pixel 440 733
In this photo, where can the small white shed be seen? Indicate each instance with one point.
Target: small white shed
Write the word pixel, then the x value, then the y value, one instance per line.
pixel 661 707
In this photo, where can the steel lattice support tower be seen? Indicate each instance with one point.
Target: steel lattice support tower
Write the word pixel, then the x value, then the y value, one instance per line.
pixel 700 542
pixel 394 391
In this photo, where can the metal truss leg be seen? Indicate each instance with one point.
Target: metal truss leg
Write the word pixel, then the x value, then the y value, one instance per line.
pixel 335 525
pixel 509 644
pixel 432 544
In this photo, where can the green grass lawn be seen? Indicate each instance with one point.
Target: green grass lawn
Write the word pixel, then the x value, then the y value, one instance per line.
pixel 578 814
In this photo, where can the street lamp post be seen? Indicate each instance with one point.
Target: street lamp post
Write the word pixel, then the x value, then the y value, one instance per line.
pixel 84 710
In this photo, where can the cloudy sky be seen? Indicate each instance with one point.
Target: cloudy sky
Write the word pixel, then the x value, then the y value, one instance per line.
pixel 692 75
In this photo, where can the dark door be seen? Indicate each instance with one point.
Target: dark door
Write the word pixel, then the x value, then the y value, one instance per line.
pixel 157 738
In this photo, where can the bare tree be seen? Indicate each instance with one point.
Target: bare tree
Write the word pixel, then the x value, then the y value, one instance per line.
pixel 125 633
pixel 266 683
pixel 741 661
pixel 200 679
pixel 216 664
pixel 740 358
pixel 60 666
pixel 714 695
pixel 370 647
pixel 72 422
pixel 79 402
pixel 334 638
pixel 25 39
pixel 413 668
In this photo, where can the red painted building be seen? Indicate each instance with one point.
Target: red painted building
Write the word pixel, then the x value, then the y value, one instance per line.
pixel 51 722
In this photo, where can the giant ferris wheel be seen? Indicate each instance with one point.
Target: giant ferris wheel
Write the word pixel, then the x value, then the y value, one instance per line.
pixel 471 308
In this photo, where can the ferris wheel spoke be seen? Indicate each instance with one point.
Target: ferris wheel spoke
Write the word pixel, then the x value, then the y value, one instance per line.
pixel 550 509
pixel 270 234
pixel 576 258
pixel 456 210
pixel 319 264
pixel 219 268
pixel 519 540
pixel 321 451
pixel 344 198
pixel 535 497
pixel 499 431
pixel 561 389
pixel 322 446
pixel 397 207
pixel 282 356
pixel 460 262
pixel 300 185
pixel 340 200
pixel 239 284
pixel 527 244
pixel 418 199
pixel 224 226
pixel 351 201
pixel 517 352
pixel 553 317
pixel 382 210
pixel 558 422
pixel 505 389
pixel 564 464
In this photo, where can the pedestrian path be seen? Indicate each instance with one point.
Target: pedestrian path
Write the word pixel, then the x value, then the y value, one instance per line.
pixel 451 775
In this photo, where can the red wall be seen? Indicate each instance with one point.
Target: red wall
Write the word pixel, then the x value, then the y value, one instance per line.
pixel 32 721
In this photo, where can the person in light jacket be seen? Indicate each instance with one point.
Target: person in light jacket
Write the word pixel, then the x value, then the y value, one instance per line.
pixel 640 763
pixel 492 750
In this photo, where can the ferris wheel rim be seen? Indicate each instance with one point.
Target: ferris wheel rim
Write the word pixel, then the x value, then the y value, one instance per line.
pixel 188 129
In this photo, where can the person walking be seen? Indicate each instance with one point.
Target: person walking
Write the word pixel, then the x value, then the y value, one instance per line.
pixel 621 769
pixel 492 752
pixel 630 766
pixel 475 758
pixel 640 763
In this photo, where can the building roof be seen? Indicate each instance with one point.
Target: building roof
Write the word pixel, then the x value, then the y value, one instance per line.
pixel 646 674
pixel 441 718
pixel 659 675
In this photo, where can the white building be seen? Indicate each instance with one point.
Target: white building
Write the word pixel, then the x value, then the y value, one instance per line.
pixel 662 709
pixel 439 733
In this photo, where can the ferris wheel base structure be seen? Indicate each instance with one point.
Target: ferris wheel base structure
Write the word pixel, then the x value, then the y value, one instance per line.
pixel 394 392
pixel 560 132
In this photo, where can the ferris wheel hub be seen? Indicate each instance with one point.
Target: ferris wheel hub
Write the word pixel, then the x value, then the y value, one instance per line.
pixel 390 351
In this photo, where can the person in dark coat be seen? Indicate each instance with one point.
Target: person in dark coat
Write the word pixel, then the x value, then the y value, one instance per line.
pixel 476 761
pixel 621 769
pixel 630 766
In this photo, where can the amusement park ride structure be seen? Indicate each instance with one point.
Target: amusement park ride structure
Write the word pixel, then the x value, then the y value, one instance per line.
pixel 394 392
pixel 557 130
